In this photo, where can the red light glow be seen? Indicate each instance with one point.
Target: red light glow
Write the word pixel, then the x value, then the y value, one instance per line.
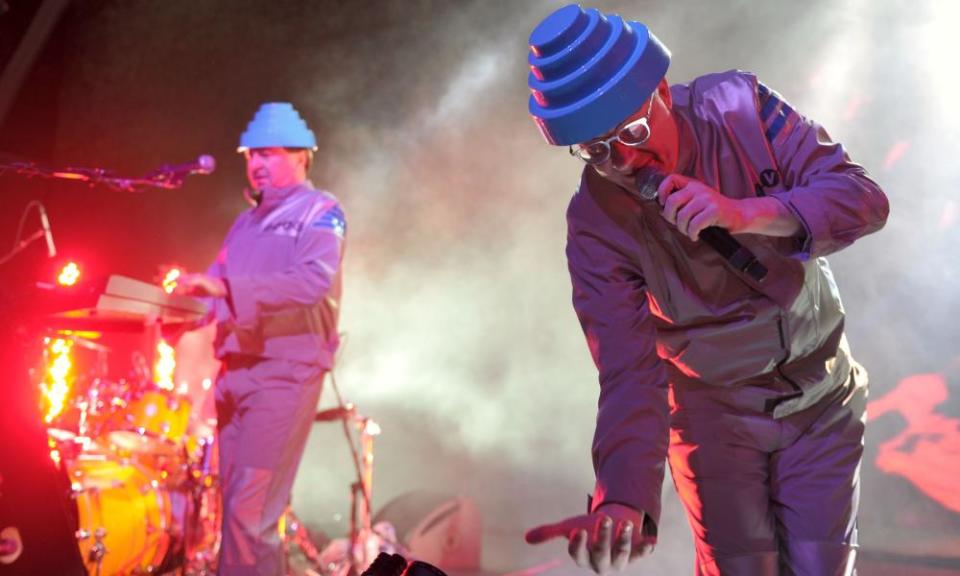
pixel 69 274
pixel 170 280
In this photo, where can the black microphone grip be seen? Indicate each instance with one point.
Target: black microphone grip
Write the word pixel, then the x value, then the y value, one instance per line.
pixel 740 257
pixel 648 179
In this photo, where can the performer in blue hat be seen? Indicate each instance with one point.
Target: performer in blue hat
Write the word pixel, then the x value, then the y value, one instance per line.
pixel 696 246
pixel 275 292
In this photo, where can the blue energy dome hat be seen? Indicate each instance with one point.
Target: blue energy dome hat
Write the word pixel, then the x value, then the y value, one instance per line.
pixel 277 124
pixel 590 71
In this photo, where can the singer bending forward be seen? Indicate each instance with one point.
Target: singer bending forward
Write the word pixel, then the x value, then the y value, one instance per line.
pixel 747 387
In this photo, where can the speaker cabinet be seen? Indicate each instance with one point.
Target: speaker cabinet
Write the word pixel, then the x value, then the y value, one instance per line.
pixel 441 529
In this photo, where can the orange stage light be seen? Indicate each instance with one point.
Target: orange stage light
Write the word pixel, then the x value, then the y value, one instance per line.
pixel 57 377
pixel 165 365
pixel 170 279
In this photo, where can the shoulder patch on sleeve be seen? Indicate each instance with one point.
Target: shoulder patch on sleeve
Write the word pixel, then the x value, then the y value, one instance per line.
pixel 332 220
pixel 777 116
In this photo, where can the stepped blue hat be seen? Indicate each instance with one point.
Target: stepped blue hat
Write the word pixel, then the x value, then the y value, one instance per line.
pixel 277 124
pixel 589 72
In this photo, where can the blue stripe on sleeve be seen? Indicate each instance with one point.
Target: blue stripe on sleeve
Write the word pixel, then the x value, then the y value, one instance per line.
pixel 332 220
pixel 769 103
pixel 782 116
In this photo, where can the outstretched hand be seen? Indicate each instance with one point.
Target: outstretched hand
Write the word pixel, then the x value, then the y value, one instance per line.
pixel 201 285
pixel 604 541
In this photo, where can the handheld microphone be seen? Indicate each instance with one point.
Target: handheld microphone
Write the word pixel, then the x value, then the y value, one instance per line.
pixel 648 179
pixel 205 164
pixel 47 235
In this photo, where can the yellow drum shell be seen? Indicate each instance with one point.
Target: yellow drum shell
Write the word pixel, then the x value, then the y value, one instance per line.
pixel 162 459
pixel 159 413
pixel 121 509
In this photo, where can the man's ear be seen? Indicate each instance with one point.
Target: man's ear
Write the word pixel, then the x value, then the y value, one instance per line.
pixel 664 91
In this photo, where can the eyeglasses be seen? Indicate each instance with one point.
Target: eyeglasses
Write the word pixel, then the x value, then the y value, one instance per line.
pixel 633 135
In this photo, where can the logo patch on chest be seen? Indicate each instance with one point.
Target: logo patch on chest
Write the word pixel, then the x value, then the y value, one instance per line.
pixel 284 228
pixel 768 179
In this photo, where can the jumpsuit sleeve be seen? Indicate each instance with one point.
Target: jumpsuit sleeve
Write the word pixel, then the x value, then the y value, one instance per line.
pixel 632 428
pixel 307 282
pixel 833 197
pixel 216 270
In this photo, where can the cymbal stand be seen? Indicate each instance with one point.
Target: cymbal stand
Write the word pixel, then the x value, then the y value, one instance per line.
pixel 364 543
pixel 362 539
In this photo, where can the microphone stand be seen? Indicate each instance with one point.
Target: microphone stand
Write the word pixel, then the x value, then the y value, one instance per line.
pixel 20 245
pixel 158 179
pixel 18 248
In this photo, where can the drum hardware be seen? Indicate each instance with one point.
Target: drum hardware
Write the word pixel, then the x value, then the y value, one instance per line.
pixel 98 550
pixel 202 536
pixel 294 532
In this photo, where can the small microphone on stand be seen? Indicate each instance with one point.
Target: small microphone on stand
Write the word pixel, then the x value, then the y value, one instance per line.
pixel 648 180
pixel 205 164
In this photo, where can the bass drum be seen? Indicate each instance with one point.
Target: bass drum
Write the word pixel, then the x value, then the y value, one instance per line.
pixel 124 520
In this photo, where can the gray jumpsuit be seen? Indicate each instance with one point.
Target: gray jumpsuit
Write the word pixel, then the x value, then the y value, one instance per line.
pixel 750 387
pixel 276 337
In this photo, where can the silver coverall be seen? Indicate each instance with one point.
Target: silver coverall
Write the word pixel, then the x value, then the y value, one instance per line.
pixel 749 386
pixel 276 336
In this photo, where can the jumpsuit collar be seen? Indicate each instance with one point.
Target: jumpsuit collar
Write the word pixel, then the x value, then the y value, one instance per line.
pixel 271 198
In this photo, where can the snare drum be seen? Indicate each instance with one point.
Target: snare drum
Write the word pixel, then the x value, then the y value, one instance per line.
pixel 164 460
pixel 124 518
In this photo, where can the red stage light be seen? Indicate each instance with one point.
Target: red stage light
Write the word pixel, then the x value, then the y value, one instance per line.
pixel 69 274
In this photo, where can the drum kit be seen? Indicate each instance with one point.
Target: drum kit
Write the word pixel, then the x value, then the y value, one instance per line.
pixel 141 472
pixel 145 487
pixel 146 490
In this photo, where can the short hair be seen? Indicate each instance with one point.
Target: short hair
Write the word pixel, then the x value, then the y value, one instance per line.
pixel 309 155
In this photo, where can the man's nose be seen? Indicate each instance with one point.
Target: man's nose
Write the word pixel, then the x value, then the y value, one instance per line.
pixel 619 158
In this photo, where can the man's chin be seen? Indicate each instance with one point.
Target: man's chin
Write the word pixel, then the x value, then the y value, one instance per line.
pixel 625 179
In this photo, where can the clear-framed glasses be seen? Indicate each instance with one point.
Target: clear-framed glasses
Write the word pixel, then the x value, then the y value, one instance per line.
pixel 633 134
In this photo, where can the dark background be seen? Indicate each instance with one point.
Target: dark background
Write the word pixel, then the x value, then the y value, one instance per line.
pixel 460 337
